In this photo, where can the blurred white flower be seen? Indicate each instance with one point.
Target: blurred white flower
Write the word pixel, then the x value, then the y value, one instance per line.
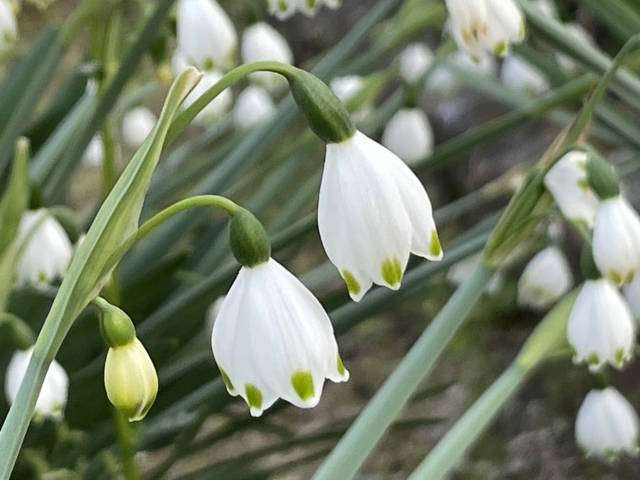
pixel 616 240
pixel 414 61
pixel 607 424
pixel 409 135
pixel 600 328
pixel 212 313
pixel 272 339
pixel 94 154
pixel 8 26
pixel 567 182
pixel 518 74
pixel 48 250
pixel 372 212
pixel 205 35
pixel 284 9
pixel 444 81
pixel 53 394
pixel 631 293
pixel 137 124
pixel 261 41
pixel 545 279
pixel 215 108
pixel 252 106
pixel 460 271
pixel 346 88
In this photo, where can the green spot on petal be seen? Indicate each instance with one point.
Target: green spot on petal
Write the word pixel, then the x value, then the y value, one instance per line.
pixel 341 369
pixel 615 277
pixel 254 396
pixel 435 248
pixel 352 284
pixel 302 382
pixel 311 4
pixel 523 31
pixel 226 380
pixel 282 6
pixel 391 271
pixel 619 357
pixel 583 184
pixel 208 64
pixel 629 278
pixel 500 48
pixel 593 359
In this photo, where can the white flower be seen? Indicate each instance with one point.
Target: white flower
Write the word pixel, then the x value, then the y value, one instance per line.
pixel 218 106
pixel 283 9
pixel 205 35
pixel 631 294
pixel 346 88
pixel 607 424
pixel 372 212
pixel 48 251
pixel 409 135
pixel 616 240
pixel 261 42
pixel 600 328
pixel 8 26
pixel 137 125
pixel 252 106
pixel 94 154
pixel 481 26
pixel 545 279
pixel 53 395
pixel 272 339
pixel 444 81
pixel 518 74
pixel 460 271
pixel 567 182
pixel 414 61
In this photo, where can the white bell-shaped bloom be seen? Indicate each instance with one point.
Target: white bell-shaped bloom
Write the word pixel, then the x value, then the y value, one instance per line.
pixel 481 26
pixel 631 293
pixel 414 61
pixel 409 135
pixel 372 212
pixel 518 74
pixel 272 339
pixel 53 395
pixel 137 124
pixel 567 182
pixel 215 108
pixel 545 279
pixel 284 9
pixel 205 35
pixel 444 81
pixel 261 42
pixel 94 154
pixel 346 88
pixel 252 106
pixel 48 250
pixel 607 424
pixel 616 240
pixel 8 26
pixel 601 328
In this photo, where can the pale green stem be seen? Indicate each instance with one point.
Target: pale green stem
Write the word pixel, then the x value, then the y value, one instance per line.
pixel 377 416
pixel 127 434
pixel 108 161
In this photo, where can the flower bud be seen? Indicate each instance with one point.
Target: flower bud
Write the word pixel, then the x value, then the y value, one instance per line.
pixel 252 106
pixel 261 42
pixel 414 61
pixel 137 125
pixel 545 279
pixel 248 239
pixel 409 135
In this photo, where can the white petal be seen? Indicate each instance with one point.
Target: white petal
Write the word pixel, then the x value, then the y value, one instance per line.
pixel 260 42
pixel 545 279
pixel 218 106
pixel 414 61
pixel 252 106
pixel 409 135
pixel 137 125
pixel 518 74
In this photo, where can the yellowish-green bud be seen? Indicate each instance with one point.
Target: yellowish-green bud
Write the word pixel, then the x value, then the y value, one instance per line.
pixel 116 327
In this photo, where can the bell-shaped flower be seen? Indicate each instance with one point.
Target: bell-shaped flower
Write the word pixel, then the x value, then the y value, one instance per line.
pixel 272 339
pixel 414 61
pixel 94 154
pixel 607 424
pixel 215 108
pixel 545 279
pixel 8 26
pixel 409 135
pixel 284 9
pixel 205 35
pixel 53 394
pixel 616 240
pixel 518 74
pixel 252 106
pixel 137 125
pixel 261 41
pixel 346 88
pixel 601 328
pixel 130 379
pixel 372 212
pixel 48 250
pixel 631 293
pixel 567 182
pixel 481 26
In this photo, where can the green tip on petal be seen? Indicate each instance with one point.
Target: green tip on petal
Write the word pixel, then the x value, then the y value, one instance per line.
pixel 593 359
pixel 208 64
pixel 311 4
pixel 226 380
pixel 352 284
pixel 435 248
pixel 616 277
pixel 391 271
pixel 500 48
pixel 629 278
pixel 611 454
pixel 254 396
pixel 302 382
pixel 583 183
pixel 282 6
pixel 619 357
pixel 341 370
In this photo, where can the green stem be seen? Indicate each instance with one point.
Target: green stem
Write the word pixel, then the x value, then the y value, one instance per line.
pixel 127 434
pixel 368 428
pixel 108 161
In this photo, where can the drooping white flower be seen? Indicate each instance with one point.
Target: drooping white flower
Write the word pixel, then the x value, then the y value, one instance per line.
pixel 53 395
pixel 567 182
pixel 205 35
pixel 284 9
pixel 409 135
pixel 616 240
pixel 601 328
pixel 94 154
pixel 137 125
pixel 631 293
pixel 252 106
pixel 218 106
pixel 272 339
pixel 346 88
pixel 372 212
pixel 444 80
pixel 607 424
pixel 261 41
pixel 414 61
pixel 518 74
pixel 8 26
pixel 48 251
pixel 545 279
pixel 481 26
